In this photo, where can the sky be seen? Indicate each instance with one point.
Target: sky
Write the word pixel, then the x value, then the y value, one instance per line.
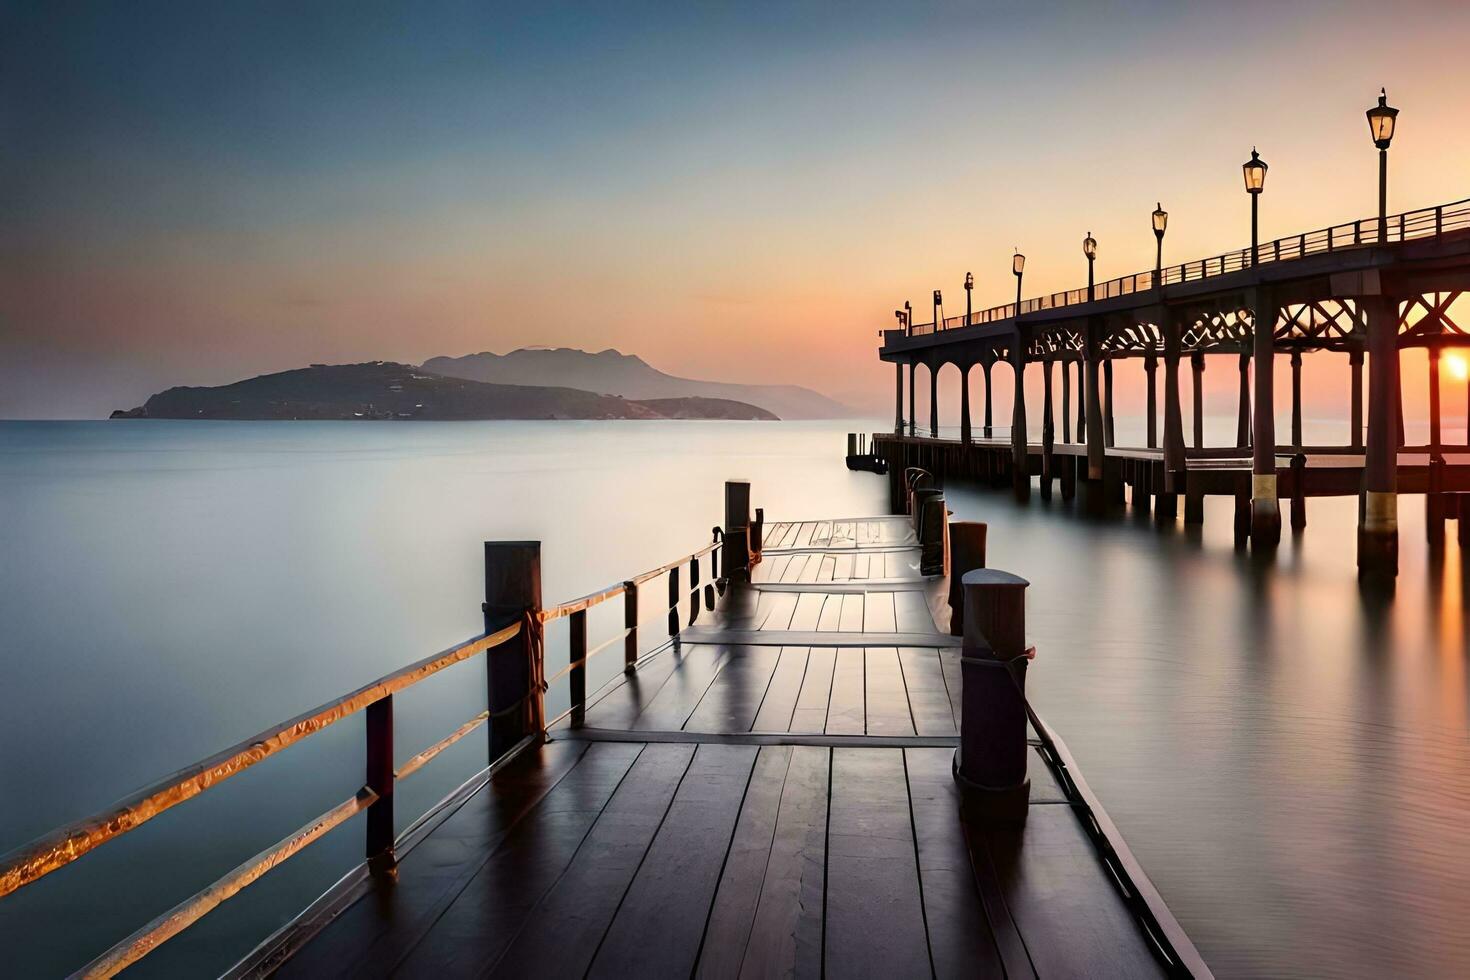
pixel 198 193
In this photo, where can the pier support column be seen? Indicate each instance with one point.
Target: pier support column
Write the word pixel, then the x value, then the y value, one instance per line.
pixel 1355 363
pixel 1108 431
pixel 1150 366
pixel 1020 478
pixel 1243 419
pixel 1434 511
pixel 990 764
pixel 1197 364
pixel 1096 450
pixel 934 401
pixel 1081 399
pixel 1048 431
pixel 913 415
pixel 1296 399
pixel 1066 402
pixel 964 403
pixel 1265 507
pixel 512 590
pixel 898 400
pixel 1378 529
pixel 988 431
pixel 1174 461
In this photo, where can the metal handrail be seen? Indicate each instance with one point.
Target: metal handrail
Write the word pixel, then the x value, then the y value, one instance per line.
pixel 1361 233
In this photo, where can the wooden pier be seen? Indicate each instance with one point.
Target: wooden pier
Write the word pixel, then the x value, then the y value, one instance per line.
pixel 1366 289
pixel 775 791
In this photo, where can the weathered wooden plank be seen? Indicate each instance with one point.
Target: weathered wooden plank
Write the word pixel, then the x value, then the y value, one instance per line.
pixel 657 929
pixel 795 569
pixel 875 919
pixel 782 693
pixel 808 610
pixel 771 569
pixel 831 617
pixel 786 935
pixel 620 706
pixel 485 911
pixel 779 610
pixel 827 568
pixel 911 609
pixel 1073 923
pixel 817 637
pixel 678 696
pixel 846 714
pixel 860 567
pixel 879 613
pixel 803 537
pixel 733 913
pixel 561 933
pixel 887 702
pixel 734 697
pixel 852 613
pixel 810 715
pixel 949 664
pixel 960 941
pixel 923 679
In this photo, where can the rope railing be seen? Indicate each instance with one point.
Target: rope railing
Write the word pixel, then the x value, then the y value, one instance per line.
pixel 69 842
pixel 1359 233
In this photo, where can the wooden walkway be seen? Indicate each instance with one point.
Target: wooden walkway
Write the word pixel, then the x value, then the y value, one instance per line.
pixel 771 797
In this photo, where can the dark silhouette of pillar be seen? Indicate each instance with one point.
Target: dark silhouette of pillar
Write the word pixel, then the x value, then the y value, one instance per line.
pixel 1020 478
pixel 1108 432
pixel 1048 431
pixel 1265 507
pixel 1066 402
pixel 1355 363
pixel 989 415
pixel 1243 420
pixel 1151 365
pixel 1296 399
pixel 1096 450
pixel 1174 460
pixel 934 401
pixel 1435 436
pixel 990 764
pixel 1081 399
pixel 964 403
pixel 1197 364
pixel 1378 530
pixel 898 400
pixel 913 413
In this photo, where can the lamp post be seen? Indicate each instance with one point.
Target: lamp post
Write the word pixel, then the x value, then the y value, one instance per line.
pixel 969 285
pixel 1089 249
pixel 1380 124
pixel 1020 477
pixel 1254 171
pixel 1161 222
pixel 938 302
pixel 1018 266
pixel 908 316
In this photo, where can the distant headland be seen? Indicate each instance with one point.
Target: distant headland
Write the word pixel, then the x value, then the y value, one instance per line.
pixel 536 383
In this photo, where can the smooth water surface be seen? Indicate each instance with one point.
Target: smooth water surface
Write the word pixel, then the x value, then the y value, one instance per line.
pixel 1288 759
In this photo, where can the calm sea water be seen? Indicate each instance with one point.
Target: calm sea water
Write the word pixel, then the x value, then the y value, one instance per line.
pixel 1288 759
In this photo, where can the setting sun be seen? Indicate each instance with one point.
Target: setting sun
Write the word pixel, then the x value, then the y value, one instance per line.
pixel 1459 368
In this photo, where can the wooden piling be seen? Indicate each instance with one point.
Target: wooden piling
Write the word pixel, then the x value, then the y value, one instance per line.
pixel 630 623
pixel 512 594
pixel 382 862
pixel 967 553
pixel 990 764
pixel 577 658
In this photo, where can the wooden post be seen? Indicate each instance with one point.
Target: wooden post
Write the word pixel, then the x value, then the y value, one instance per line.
pixel 1066 402
pixel 1197 363
pixel 577 677
pixel 1296 399
pixel 1109 433
pixel 1299 491
pixel 1174 459
pixel 1094 493
pixel 630 623
pixel 1243 419
pixel 933 547
pixel 1435 436
pixel 1150 369
pixel 736 560
pixel 1020 475
pixel 512 590
pixel 1194 501
pixel 1265 506
pixel 674 598
pixel 990 764
pixel 382 862
pixel 1434 502
pixel 1081 399
pixel 694 589
pixel 967 544
pixel 1048 431
pixel 964 403
pixel 1378 530
pixel 757 537
pixel 852 444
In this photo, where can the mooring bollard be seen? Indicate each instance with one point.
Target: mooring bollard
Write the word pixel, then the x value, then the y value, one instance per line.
pixel 914 478
pixel 921 495
pixel 966 553
pixel 512 594
pixel 990 764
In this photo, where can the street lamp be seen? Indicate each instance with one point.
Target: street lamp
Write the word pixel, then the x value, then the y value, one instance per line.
pixel 908 316
pixel 1089 249
pixel 938 302
pixel 898 315
pixel 1018 266
pixel 1380 124
pixel 1254 171
pixel 969 285
pixel 1161 222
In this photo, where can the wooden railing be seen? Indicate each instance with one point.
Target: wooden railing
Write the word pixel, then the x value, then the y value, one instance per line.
pixel 516 691
pixel 1406 226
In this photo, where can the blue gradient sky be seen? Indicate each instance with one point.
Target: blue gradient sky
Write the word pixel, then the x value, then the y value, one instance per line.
pixel 194 193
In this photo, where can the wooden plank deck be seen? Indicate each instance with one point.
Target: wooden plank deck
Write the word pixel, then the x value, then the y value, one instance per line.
pixel 762 802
